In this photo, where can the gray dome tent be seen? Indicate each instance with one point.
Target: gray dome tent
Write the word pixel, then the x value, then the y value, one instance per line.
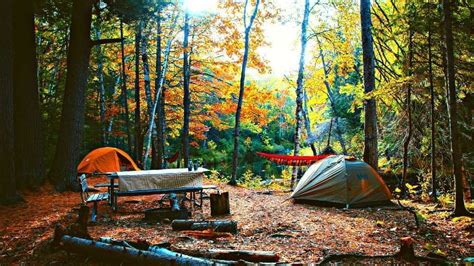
pixel 338 181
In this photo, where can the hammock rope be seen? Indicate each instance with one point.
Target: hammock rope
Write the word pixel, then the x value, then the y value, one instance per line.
pixel 292 160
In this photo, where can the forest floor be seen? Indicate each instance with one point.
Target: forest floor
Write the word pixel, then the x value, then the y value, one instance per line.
pixel 270 222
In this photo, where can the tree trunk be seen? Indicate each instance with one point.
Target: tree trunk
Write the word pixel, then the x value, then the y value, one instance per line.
pixel 235 155
pixel 63 171
pixel 151 123
pixel 148 93
pixel 124 91
pixel 7 136
pixel 146 74
pixel 101 88
pixel 459 207
pixel 331 103
pixel 370 124
pixel 307 122
pixel 339 136
pixel 186 96
pixel 160 118
pixel 108 132
pixel 328 144
pixel 162 129
pixel 29 167
pixel 138 127
pixel 406 142
pixel 299 90
pixel 433 128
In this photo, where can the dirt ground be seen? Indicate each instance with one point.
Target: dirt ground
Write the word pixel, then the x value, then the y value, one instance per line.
pixel 298 233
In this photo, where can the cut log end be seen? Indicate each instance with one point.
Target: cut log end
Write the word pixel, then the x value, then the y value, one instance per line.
pixel 407 251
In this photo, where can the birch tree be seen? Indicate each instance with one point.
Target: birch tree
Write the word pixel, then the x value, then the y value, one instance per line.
pixel 247 29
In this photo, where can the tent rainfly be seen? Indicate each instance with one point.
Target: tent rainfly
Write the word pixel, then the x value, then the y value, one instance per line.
pixel 106 159
pixel 338 181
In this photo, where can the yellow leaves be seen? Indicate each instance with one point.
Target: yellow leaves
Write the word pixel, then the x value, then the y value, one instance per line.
pixel 248 142
pixel 411 189
pixel 465 219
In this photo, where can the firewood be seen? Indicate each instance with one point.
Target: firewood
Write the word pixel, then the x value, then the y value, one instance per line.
pixel 217 226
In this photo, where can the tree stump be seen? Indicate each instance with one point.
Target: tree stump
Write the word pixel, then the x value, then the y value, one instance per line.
pixel 407 251
pixel 220 204
pixel 77 229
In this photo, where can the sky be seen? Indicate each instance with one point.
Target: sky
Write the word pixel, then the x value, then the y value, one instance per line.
pixel 283 50
pixel 283 37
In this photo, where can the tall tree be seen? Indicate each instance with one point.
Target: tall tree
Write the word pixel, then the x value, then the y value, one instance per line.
pixel 432 122
pixel 186 94
pixel 124 90
pixel 299 89
pixel 459 207
pixel 100 80
pixel 151 123
pixel 29 167
pixel 247 28
pixel 160 118
pixel 138 127
pixel 406 141
pixel 370 124
pixel 147 83
pixel 63 170
pixel 7 136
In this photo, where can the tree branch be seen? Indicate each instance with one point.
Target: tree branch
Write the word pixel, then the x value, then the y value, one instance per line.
pixel 105 41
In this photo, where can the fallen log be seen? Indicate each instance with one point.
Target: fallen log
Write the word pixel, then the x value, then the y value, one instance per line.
pixel 207 234
pixel 217 226
pixel 232 255
pixel 108 252
pixel 406 253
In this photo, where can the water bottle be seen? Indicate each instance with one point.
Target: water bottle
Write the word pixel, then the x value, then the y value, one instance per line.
pixel 196 165
pixel 190 165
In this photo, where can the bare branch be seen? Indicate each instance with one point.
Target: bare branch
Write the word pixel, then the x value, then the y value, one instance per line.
pixel 105 41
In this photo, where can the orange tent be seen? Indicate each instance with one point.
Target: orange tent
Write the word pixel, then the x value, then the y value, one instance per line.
pixel 106 159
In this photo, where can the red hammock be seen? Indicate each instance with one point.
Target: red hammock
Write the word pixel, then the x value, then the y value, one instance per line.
pixel 292 160
pixel 173 158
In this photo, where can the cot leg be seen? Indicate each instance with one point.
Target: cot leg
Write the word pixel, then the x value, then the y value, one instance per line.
pixel 94 212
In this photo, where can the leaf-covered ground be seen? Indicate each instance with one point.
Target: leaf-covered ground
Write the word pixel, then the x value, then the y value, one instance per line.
pixel 298 233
